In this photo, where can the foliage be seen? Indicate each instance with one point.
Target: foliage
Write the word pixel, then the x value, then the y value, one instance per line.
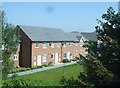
pixel 92 47
pixel 73 60
pixel 34 67
pixel 94 75
pixel 45 65
pixel 19 82
pixel 109 34
pixel 77 58
pixel 50 64
pixel 65 61
pixel 39 66
pixel 10 40
pixel 14 70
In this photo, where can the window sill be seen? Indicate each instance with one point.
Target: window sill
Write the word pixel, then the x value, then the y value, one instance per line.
pixel 15 59
pixel 36 47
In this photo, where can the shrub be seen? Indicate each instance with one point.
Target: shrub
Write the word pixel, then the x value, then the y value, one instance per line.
pixel 65 61
pixel 34 67
pixel 39 66
pixel 77 58
pixel 14 70
pixel 45 65
pixel 50 64
pixel 18 82
pixel 73 60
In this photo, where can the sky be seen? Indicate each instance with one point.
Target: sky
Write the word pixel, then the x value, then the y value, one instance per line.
pixel 69 16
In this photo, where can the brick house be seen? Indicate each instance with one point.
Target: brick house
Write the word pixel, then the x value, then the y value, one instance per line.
pixel 41 45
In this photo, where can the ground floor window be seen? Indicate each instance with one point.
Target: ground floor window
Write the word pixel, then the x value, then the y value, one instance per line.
pixel 86 51
pixel 76 52
pixel 64 56
pixel 15 57
pixel 80 51
pixel 52 56
pixel 44 58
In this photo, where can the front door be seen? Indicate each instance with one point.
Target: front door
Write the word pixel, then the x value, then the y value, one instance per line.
pixel 39 60
pixel 68 55
pixel 56 58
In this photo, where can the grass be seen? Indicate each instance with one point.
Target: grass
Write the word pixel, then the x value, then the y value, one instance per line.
pixel 52 77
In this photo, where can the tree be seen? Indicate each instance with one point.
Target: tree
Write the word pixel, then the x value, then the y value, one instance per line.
pixel 109 34
pixel 10 40
pixel 102 67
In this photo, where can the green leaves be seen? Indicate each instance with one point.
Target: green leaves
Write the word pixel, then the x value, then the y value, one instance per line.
pixel 10 39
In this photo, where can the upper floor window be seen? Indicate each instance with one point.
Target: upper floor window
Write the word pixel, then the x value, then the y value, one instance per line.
pixel 81 43
pixel 86 50
pixel 64 56
pixel 58 44
pixel 65 44
pixel 15 57
pixel 76 43
pixel 76 52
pixel 34 57
pixel 44 45
pixel 80 51
pixel 52 56
pixel 37 45
pixel 44 58
pixel 69 43
pixel 52 44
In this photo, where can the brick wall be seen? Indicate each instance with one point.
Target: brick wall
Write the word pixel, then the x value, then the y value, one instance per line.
pixel 49 50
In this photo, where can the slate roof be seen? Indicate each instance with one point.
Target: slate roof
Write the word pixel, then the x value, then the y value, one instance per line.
pixel 36 33
pixel 90 36
pixel 79 35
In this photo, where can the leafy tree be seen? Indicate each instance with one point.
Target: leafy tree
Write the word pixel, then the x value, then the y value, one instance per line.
pixel 10 40
pixel 109 33
pixel 92 47
pixel 102 67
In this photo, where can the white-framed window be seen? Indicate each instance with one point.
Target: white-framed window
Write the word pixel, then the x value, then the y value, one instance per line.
pixel 69 43
pixel 34 57
pixel 81 43
pixel 74 56
pixel 37 45
pixel 76 43
pixel 59 54
pixel 65 44
pixel 34 63
pixel 80 51
pixel 52 56
pixel 44 45
pixel 52 44
pixel 15 57
pixel 58 44
pixel 64 55
pixel 76 52
pixel 86 51
pixel 44 58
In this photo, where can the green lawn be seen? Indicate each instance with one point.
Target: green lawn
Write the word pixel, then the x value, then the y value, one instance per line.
pixel 52 77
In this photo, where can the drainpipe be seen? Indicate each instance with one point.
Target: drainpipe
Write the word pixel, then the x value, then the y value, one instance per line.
pixel 61 51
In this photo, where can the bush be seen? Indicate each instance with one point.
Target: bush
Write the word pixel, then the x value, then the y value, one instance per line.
pixel 34 67
pixel 45 65
pixel 77 58
pixel 65 61
pixel 39 66
pixel 73 60
pixel 50 64
pixel 18 82
pixel 14 70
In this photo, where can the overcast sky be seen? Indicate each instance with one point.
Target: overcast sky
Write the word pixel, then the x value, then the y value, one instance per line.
pixel 69 16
